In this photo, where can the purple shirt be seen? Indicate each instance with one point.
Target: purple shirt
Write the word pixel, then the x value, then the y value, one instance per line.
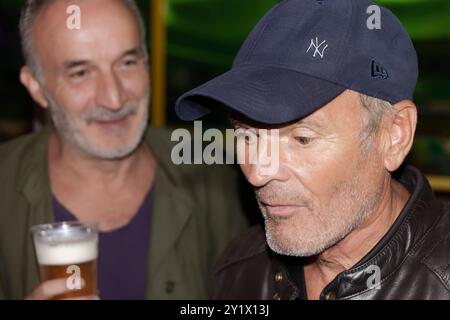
pixel 123 253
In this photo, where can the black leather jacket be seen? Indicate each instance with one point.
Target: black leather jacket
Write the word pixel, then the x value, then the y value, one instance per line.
pixel 413 258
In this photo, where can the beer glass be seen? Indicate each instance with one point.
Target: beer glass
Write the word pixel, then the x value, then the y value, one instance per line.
pixel 68 250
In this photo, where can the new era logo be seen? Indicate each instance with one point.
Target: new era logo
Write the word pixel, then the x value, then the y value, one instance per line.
pixel 378 71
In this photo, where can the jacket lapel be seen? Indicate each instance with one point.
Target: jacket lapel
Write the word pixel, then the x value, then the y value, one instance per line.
pixel 171 211
pixel 172 208
pixel 34 184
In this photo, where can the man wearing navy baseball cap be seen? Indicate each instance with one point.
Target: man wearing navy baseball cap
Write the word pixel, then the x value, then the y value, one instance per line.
pixel 344 217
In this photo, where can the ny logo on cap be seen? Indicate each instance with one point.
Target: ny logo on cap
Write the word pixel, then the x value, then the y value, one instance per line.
pixel 318 48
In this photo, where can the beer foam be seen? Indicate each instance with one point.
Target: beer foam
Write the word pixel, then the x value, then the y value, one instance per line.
pixel 66 253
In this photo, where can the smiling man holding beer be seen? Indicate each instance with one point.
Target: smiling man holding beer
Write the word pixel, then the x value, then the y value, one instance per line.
pixel 161 225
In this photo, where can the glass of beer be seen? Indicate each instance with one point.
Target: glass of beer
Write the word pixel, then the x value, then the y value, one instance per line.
pixel 68 250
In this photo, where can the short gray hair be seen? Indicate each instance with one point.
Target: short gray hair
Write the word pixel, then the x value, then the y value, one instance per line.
pixel 31 11
pixel 374 112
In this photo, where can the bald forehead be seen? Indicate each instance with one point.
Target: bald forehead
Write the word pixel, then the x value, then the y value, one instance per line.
pixel 56 13
pixel 108 30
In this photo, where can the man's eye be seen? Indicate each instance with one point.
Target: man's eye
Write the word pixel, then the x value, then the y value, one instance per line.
pixel 78 74
pixel 304 140
pixel 129 63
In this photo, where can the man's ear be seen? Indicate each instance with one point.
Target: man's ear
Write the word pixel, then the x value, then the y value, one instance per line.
pixel 400 134
pixel 33 86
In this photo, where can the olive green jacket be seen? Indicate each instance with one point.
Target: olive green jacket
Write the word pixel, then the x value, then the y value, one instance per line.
pixel 195 212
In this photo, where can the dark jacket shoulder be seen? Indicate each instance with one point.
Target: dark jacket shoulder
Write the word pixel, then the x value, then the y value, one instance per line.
pixel 434 253
pixel 21 148
pixel 246 246
pixel 244 269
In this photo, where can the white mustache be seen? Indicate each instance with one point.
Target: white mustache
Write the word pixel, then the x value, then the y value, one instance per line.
pixel 104 114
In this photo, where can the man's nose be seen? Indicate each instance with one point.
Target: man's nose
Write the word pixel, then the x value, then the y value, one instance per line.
pixel 110 92
pixel 260 174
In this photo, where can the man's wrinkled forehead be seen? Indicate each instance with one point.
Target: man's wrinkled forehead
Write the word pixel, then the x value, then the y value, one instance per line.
pixel 107 27
pixel 63 15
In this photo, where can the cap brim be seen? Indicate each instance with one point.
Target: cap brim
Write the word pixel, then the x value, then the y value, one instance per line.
pixel 269 95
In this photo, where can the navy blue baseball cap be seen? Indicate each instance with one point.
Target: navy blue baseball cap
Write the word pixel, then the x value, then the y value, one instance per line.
pixel 304 53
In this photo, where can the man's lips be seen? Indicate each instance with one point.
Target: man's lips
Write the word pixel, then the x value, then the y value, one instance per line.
pixel 112 123
pixel 281 210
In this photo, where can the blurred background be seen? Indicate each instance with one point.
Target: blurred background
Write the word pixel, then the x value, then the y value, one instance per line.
pixel 191 41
